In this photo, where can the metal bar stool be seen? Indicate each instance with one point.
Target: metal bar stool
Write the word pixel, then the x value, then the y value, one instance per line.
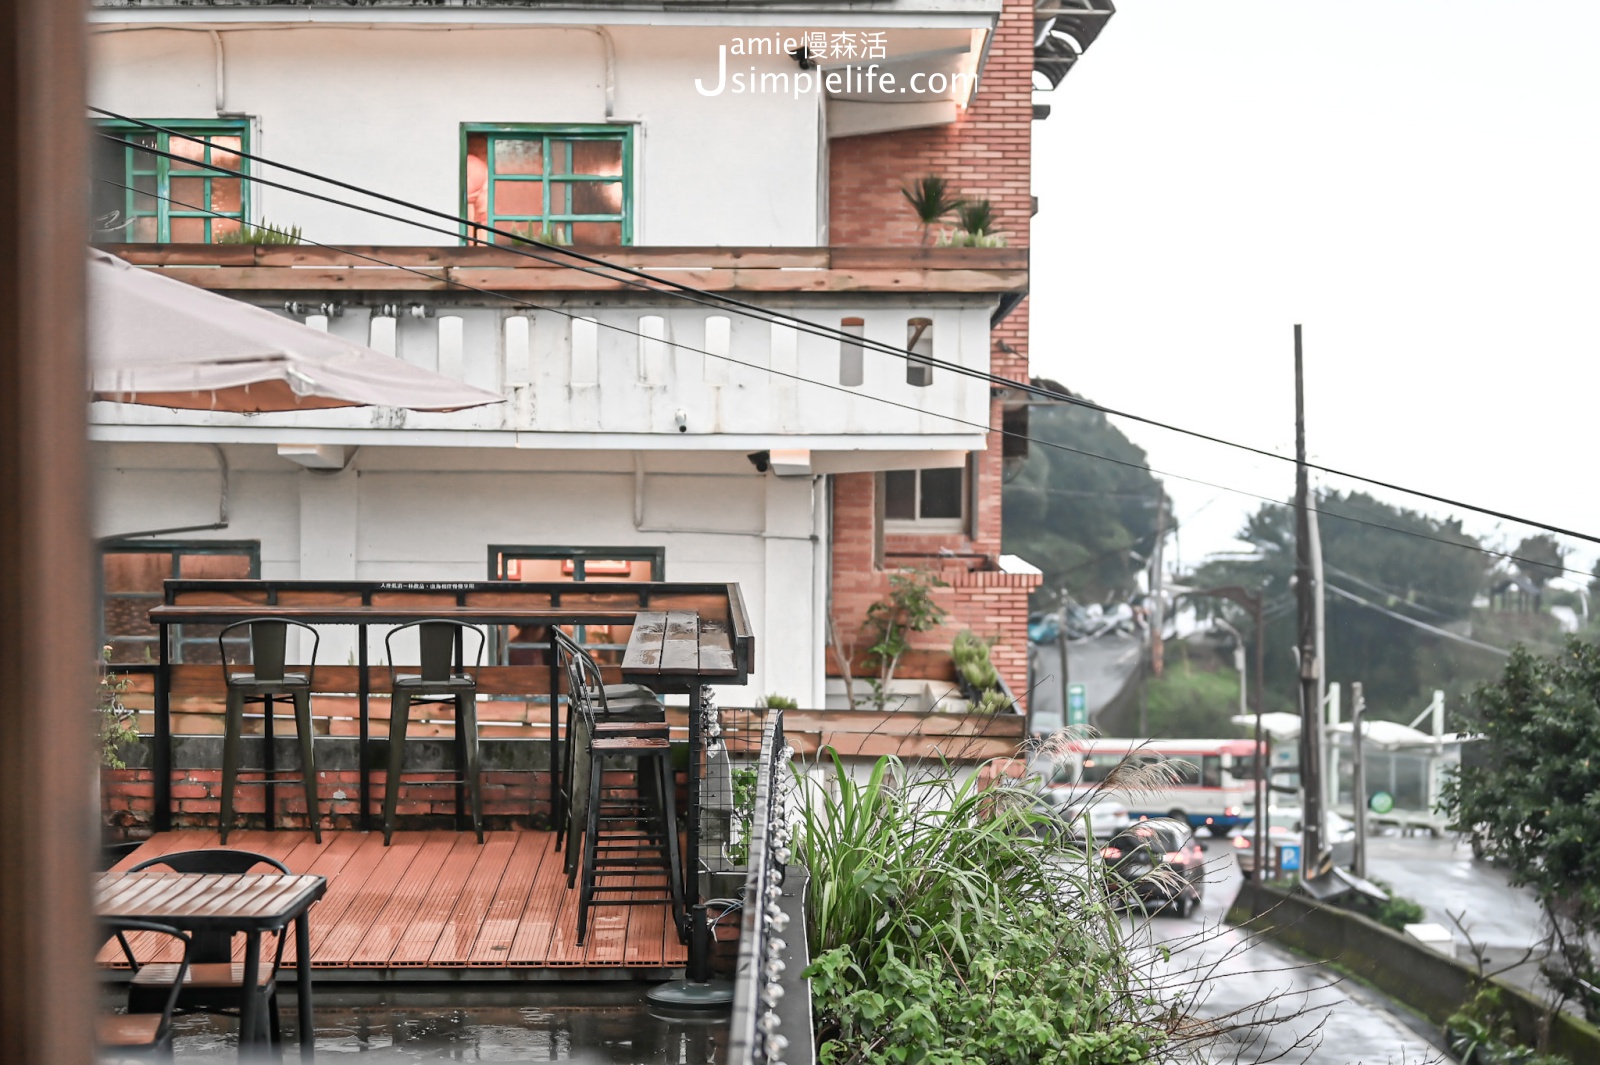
pixel 268 640
pixel 636 838
pixel 612 703
pixel 443 680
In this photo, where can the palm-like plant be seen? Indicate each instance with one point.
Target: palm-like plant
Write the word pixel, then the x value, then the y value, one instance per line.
pixel 930 197
pixel 976 217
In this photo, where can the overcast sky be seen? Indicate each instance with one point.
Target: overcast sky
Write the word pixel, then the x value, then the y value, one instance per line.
pixel 1417 182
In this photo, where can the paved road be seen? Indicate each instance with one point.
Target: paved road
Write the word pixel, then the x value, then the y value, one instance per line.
pixel 1310 1016
pixel 1441 875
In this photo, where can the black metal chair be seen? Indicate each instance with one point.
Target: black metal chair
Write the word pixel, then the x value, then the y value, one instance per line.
pixel 268 639
pixel 212 981
pixel 443 679
pixel 146 1029
pixel 631 703
pixel 630 844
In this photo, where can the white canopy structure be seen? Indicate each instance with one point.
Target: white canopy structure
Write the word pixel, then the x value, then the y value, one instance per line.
pixel 160 342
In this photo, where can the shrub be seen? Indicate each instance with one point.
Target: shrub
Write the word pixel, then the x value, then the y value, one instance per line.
pixel 944 930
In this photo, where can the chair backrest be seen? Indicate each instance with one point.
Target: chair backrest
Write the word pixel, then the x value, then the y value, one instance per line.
pixel 221 860
pixel 585 685
pixel 268 645
pixel 118 928
pixel 443 646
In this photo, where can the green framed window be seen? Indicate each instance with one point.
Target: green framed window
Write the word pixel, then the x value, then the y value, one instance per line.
pixel 561 185
pixel 131 576
pixel 141 197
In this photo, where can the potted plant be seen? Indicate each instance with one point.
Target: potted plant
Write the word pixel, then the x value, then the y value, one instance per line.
pixel 930 197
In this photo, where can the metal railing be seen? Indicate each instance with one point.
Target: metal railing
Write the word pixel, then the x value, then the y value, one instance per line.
pixel 768 969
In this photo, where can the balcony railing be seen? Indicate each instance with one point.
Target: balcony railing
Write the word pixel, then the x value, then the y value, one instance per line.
pixel 771 1020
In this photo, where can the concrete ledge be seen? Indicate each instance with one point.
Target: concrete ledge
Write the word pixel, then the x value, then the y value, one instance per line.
pixel 1425 980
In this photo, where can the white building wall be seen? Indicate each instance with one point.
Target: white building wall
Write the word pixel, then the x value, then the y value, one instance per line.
pixel 382 108
pixel 431 514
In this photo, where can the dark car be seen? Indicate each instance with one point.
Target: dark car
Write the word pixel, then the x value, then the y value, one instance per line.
pixel 1158 862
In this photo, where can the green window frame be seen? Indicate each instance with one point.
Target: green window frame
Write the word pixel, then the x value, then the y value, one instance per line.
pixel 146 208
pixel 584 188
pixel 123 608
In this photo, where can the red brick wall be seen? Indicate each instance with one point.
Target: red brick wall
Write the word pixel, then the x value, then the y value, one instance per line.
pixel 985 153
pixel 509 799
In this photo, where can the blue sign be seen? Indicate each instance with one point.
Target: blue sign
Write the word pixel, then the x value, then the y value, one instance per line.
pixel 1077 705
pixel 1289 857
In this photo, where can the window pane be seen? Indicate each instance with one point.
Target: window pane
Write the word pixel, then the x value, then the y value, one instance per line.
pixel 136 571
pixel 518 198
pixel 225 195
pixel 221 154
pixel 900 495
pixel 188 194
pixel 1211 771
pixel 224 229
pixel 597 233
pixel 560 198
pixel 146 199
pixel 518 155
pixel 560 157
pixel 477 190
pixel 597 198
pixel 188 230
pixel 597 157
pixel 214 567
pixel 144 230
pixel 187 148
pixel 941 493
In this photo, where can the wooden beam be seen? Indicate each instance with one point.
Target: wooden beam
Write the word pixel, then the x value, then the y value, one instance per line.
pixel 47 996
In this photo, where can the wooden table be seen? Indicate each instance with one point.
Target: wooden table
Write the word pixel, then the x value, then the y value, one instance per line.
pixel 204 902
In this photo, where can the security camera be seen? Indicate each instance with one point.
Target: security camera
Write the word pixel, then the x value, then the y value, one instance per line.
pixel 760 460
pixel 682 418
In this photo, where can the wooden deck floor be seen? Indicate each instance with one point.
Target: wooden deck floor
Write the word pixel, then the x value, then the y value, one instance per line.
pixel 441 901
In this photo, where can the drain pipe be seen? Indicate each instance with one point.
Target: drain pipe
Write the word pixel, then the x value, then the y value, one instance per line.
pixel 222 510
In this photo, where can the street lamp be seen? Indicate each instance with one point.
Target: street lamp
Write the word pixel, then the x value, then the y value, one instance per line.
pixel 1251 601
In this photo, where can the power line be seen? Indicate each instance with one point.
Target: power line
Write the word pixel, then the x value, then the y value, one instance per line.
pixel 1388 591
pixel 824 384
pixel 1423 625
pixel 706 298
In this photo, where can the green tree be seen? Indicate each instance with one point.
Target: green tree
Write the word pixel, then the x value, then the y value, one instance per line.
pixel 1414 576
pixel 1088 523
pixel 1539 559
pixel 1530 794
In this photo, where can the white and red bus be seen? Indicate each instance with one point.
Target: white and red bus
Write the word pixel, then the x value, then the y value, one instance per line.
pixel 1213 786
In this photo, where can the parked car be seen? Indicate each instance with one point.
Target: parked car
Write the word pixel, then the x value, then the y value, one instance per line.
pixel 1158 861
pixel 1284 825
pixel 1106 816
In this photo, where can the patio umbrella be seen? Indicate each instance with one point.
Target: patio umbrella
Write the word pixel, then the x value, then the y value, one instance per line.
pixel 160 342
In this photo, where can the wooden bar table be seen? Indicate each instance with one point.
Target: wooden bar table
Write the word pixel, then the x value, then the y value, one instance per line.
pixel 249 903
pixel 680 652
pixel 709 618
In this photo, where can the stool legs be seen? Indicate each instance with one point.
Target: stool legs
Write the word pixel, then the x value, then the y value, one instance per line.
pixel 399 712
pixel 589 854
pixel 666 786
pixel 308 760
pixel 467 730
pixel 232 730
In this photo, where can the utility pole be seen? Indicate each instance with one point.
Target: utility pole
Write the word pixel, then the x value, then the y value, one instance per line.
pixel 1306 634
pixel 1358 781
pixel 1157 604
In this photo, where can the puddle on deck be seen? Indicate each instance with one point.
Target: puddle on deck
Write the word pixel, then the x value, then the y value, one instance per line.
pixel 577 1022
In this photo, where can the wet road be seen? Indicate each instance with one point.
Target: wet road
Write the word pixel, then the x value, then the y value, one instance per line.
pixel 1307 1014
pixel 1442 877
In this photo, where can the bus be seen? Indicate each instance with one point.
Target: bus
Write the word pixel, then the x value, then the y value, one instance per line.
pixel 1213 789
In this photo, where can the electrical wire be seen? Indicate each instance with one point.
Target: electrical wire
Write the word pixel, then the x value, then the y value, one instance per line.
pixel 1423 625
pixel 707 298
pixel 517 301
pixel 1387 591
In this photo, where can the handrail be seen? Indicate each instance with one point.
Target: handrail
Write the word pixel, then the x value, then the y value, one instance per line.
pixel 753 1037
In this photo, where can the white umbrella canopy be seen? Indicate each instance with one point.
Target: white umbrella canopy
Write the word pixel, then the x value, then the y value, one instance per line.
pixel 159 342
